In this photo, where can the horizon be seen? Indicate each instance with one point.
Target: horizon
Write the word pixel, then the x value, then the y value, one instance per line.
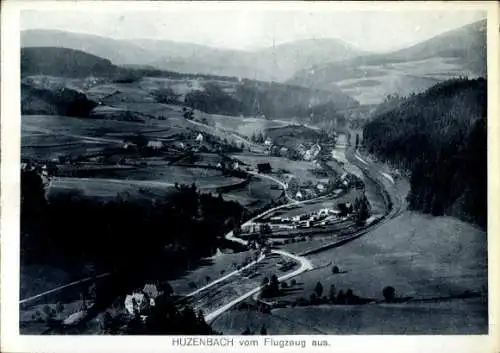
pixel 391 30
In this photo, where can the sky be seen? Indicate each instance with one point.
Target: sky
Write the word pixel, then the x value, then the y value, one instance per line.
pixel 252 28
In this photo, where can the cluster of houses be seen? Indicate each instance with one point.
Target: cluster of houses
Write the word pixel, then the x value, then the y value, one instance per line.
pixel 158 144
pixel 321 217
pixel 308 154
pixel 299 152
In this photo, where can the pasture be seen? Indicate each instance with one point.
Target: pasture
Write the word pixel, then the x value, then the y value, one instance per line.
pixel 420 256
pixel 300 169
pixel 461 316
pixel 246 126
pixel 403 78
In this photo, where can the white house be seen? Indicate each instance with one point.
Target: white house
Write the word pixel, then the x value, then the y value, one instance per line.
pixel 199 138
pixel 298 195
pixel 268 142
pixel 156 145
pixel 140 303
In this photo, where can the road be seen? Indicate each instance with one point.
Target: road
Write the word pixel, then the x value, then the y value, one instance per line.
pixel 305 264
pixel 57 289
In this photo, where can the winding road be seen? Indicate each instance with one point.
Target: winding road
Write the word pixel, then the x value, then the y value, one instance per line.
pixel 305 264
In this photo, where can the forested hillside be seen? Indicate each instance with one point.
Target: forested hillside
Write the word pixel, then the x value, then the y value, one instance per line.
pixel 440 136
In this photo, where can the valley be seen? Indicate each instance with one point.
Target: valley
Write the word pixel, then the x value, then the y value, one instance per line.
pixel 163 196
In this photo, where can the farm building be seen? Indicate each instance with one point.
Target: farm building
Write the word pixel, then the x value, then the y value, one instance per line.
pixel 135 302
pixel 199 138
pixel 156 145
pixel 312 152
pixel 268 142
pixel 264 167
pixel 128 145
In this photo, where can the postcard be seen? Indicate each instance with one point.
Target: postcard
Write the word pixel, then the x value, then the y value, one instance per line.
pixel 219 176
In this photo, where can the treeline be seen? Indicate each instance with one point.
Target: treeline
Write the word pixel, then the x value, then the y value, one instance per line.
pixel 126 237
pixel 63 101
pixel 440 136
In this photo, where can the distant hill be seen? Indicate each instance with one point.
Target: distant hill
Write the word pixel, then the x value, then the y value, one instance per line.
pixel 211 94
pixel 440 137
pixel 369 78
pixel 277 63
pixel 64 62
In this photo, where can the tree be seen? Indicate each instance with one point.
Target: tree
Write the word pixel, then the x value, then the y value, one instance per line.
pixel 340 297
pixel 362 208
pixel 389 293
pixel 357 141
pixel 335 269
pixel 265 229
pixel 165 288
pixel 237 231
pixel 333 292
pixel 263 330
pixel 318 289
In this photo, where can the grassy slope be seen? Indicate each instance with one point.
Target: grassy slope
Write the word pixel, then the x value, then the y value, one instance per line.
pixel 418 255
pixel 469 317
pixel 370 78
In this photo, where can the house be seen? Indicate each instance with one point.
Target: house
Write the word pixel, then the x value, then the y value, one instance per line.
pixel 236 165
pixel 301 150
pixel 129 145
pixel 298 195
pixel 199 138
pixel 312 153
pixel 283 151
pixel 268 142
pixel 264 167
pixel 156 145
pixel 304 224
pixel 320 187
pixel 135 302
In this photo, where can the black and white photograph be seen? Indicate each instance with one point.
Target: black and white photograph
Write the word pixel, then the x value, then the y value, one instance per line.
pixel 260 173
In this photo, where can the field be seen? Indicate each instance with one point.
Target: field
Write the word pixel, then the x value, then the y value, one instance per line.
pixel 257 194
pixel 299 169
pixel 237 285
pixel 420 256
pixel 403 78
pixel 467 316
pixel 245 126
pixel 215 267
